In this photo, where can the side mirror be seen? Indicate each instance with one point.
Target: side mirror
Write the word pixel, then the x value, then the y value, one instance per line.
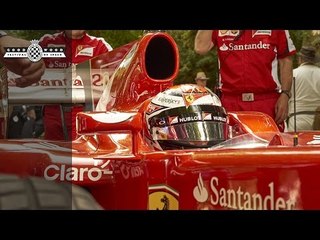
pixel 92 123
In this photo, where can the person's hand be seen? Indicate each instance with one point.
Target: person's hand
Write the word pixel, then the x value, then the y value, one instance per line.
pixel 281 109
pixel 30 72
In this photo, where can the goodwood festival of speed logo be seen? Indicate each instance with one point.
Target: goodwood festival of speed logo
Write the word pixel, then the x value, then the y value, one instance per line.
pixel 34 52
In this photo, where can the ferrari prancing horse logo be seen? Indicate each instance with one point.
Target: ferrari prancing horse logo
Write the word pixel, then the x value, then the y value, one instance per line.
pixel 162 197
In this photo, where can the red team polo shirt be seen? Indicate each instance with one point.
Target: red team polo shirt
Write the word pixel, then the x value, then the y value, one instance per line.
pixel 81 49
pixel 76 51
pixel 248 59
pixel 248 63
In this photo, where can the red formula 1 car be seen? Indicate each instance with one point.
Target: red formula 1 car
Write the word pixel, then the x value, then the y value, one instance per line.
pixel 153 145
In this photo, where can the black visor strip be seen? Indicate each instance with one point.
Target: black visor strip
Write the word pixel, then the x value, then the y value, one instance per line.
pixel 192 113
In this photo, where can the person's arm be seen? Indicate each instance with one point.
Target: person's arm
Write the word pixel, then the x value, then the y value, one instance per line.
pixel 203 41
pixel 30 72
pixel 102 47
pixel 105 47
pixel 286 75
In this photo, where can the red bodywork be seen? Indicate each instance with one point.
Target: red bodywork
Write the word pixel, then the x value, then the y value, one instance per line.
pixel 257 168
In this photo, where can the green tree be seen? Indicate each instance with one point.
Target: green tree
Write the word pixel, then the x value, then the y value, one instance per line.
pixel 117 38
pixel 190 62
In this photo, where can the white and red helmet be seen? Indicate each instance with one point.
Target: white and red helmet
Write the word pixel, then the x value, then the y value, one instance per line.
pixel 185 116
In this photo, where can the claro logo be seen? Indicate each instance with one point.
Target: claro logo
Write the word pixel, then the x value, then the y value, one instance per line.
pixel 66 173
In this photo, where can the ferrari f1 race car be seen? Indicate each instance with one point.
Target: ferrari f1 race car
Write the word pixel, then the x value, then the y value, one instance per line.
pixel 151 145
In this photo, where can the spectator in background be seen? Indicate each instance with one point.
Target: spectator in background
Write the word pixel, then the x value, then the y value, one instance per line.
pixel 248 66
pixel 307 90
pixel 29 123
pixel 59 120
pixel 16 121
pixel 201 79
pixel 25 122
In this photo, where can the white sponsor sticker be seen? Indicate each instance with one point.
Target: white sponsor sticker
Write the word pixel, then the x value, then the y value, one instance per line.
pixel 224 47
pixel 261 32
pixel 315 141
pixel 112 117
pixel 88 51
pixel 230 33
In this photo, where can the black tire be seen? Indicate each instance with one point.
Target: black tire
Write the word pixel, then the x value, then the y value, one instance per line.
pixel 34 193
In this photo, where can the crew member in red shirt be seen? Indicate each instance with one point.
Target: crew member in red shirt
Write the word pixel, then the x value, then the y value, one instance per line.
pixel 248 69
pixel 79 47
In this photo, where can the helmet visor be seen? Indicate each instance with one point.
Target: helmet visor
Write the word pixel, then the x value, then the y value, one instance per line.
pixel 192 133
pixel 194 126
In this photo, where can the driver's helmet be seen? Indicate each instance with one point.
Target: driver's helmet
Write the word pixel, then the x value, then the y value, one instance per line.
pixel 185 116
